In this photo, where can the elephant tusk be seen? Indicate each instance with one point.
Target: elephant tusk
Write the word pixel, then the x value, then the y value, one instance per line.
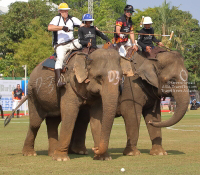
pixel 96 150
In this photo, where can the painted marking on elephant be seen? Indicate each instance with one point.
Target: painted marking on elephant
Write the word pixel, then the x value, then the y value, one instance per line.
pixel 183 75
pixel 113 76
pixel 51 84
pixel 38 84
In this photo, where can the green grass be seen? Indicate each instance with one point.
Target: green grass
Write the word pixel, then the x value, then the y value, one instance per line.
pixel 182 142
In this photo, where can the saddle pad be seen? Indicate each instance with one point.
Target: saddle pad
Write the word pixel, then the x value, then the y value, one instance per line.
pixel 49 62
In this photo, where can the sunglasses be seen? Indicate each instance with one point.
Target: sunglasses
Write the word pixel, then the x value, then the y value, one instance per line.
pixel 129 11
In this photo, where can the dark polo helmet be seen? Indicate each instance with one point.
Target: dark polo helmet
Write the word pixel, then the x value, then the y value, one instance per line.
pixel 129 7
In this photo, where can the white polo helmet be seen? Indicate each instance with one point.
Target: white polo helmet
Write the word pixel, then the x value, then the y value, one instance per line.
pixel 147 20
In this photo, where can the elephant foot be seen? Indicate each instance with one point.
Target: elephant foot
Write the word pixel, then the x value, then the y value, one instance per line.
pixel 78 150
pixel 51 152
pixel 60 156
pixel 104 156
pixel 131 151
pixel 157 150
pixel 29 152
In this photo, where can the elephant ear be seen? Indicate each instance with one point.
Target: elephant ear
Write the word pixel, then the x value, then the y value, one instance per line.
pixel 147 72
pixel 80 70
pixel 126 67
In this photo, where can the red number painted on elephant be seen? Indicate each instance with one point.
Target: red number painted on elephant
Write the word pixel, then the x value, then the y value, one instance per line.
pixel 113 76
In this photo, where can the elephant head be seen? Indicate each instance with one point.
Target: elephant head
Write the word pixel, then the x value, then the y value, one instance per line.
pixel 172 81
pixel 103 70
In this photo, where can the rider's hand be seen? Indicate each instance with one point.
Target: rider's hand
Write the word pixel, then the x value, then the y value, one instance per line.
pixel 96 27
pixel 89 44
pixel 66 29
pixel 148 49
pixel 161 44
pixel 135 47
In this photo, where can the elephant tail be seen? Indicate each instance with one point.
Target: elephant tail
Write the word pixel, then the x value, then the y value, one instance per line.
pixel 8 119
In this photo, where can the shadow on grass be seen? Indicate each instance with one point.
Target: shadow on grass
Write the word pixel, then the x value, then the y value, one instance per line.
pixel 72 156
pixel 169 152
pixel 174 152
pixel 42 152
pixel 114 152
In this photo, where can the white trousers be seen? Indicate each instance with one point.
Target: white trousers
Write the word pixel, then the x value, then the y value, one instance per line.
pixel 15 103
pixel 61 52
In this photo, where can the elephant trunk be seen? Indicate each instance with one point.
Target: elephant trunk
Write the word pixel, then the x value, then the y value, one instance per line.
pixel 181 97
pixel 110 94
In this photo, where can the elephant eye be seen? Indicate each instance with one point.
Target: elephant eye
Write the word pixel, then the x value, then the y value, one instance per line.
pixel 171 82
pixel 98 78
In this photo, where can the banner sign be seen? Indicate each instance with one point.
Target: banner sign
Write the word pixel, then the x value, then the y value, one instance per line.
pixel 6 88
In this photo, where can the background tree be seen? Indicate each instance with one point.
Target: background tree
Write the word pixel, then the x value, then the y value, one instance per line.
pixel 14 26
pixel 35 47
pixel 24 38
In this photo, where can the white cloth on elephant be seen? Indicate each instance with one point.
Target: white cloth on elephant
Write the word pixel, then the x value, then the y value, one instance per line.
pixel 122 50
pixel 15 103
pixel 63 49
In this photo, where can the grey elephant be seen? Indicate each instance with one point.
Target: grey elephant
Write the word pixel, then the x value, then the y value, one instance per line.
pixel 161 77
pixel 92 83
pixel 164 76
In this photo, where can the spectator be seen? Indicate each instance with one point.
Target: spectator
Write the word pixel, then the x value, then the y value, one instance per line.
pixel 172 105
pixel 1 108
pixel 16 97
pixel 194 105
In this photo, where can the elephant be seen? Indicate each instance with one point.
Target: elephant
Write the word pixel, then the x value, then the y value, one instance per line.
pixel 92 82
pixel 165 76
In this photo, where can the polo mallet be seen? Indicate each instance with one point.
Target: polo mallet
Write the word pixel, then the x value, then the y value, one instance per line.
pixel 172 33
pixel 141 22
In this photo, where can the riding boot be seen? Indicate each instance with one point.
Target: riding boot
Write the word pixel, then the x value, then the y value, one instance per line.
pixel 17 113
pixel 57 78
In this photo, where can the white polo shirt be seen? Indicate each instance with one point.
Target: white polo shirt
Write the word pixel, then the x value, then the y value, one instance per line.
pixel 63 36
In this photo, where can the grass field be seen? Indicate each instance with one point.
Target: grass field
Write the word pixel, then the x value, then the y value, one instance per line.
pixel 182 142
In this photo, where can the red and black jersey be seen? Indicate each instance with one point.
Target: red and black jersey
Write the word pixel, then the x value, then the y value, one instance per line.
pixel 126 26
pixel 18 93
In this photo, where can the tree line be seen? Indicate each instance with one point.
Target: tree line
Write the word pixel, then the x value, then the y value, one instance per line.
pixel 24 38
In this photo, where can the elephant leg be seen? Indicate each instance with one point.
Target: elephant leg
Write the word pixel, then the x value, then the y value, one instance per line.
pixel 52 130
pixel 77 144
pixel 35 120
pixel 131 113
pixel 96 124
pixel 154 132
pixel 69 113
